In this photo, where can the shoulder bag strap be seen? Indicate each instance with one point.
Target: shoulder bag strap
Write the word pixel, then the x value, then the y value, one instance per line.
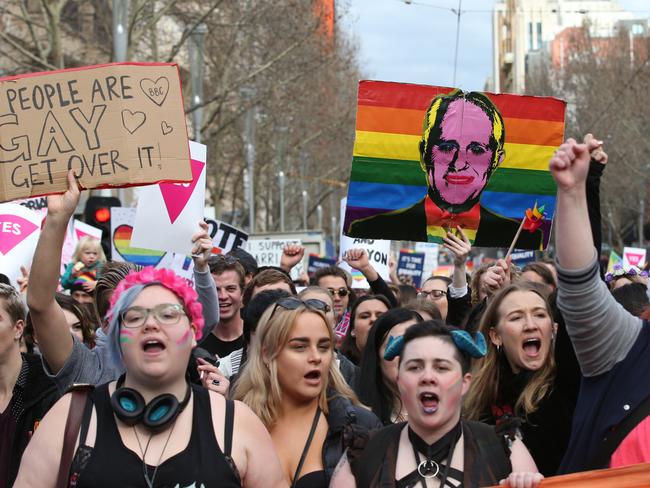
pixel 72 424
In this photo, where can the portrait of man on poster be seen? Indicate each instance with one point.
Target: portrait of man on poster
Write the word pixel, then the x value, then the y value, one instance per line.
pixel 462 144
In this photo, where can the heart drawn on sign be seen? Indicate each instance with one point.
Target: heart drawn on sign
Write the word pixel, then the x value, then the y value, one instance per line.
pixel 132 121
pixel 13 231
pixel 166 128
pixel 155 90
pixel 136 255
pixel 176 195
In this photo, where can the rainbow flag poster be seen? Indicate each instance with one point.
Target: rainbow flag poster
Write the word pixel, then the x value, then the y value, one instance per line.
pixel 428 159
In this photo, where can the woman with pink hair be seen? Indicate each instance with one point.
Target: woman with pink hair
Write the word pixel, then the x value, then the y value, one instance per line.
pixel 158 428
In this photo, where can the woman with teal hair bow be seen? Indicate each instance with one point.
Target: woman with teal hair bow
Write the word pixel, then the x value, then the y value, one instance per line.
pixel 436 446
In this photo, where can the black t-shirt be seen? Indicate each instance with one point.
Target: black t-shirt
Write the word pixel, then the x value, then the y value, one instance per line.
pixel 7 432
pixel 214 345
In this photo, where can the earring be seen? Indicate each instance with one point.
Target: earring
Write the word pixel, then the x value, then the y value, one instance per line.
pixel 498 348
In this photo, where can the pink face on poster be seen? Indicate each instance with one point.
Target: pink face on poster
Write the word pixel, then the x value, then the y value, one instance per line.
pixel 461 159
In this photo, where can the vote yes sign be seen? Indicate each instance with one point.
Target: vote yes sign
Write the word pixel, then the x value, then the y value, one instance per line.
pixel 19 231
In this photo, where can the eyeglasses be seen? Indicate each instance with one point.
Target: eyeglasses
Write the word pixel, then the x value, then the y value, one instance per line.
pixel 164 314
pixel 293 303
pixel 341 292
pixel 435 294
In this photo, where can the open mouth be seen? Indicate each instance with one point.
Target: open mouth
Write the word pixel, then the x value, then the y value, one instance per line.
pixel 313 375
pixel 459 180
pixel 153 347
pixel 532 347
pixel 429 402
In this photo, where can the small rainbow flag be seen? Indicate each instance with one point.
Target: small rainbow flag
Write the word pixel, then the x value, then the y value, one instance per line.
pixel 386 173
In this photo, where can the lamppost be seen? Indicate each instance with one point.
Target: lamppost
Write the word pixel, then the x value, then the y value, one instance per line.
pixel 120 30
pixel 319 217
pixel 304 209
pixel 197 69
pixel 248 95
pixel 281 185
pixel 120 48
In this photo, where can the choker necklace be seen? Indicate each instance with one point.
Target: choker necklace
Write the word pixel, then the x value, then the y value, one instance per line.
pixel 434 453
pixel 145 469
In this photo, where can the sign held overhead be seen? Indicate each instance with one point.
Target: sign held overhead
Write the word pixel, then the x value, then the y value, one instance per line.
pixel 115 125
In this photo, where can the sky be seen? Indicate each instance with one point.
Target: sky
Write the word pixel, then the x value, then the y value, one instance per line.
pixel 415 43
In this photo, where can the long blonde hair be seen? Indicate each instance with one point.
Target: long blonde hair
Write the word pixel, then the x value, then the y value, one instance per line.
pixel 258 386
pixel 486 377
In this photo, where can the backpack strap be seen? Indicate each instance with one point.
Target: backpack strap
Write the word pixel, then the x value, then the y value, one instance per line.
pixel 616 435
pixel 79 396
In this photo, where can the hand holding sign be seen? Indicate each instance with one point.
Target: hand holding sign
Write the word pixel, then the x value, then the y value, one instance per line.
pixel 202 247
pixel 62 207
pixel 460 247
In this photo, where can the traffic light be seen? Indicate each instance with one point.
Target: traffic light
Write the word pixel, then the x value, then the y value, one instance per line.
pixel 98 214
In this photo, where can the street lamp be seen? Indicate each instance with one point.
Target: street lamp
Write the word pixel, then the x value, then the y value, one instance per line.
pixel 304 209
pixel 281 185
pixel 197 69
pixel 120 30
pixel 120 48
pixel 249 149
pixel 319 217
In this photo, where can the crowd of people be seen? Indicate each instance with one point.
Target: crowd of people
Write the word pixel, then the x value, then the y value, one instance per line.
pixel 117 375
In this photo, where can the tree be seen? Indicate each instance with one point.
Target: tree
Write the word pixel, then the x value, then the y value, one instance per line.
pixel 303 78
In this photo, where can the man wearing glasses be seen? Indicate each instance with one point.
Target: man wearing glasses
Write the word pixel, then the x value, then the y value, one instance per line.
pixel 338 282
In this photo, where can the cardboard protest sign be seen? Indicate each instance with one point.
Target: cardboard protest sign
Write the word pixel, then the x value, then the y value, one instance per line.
pixel 225 237
pixel 478 161
pixel 315 262
pixel 19 231
pixel 168 214
pixel 410 267
pixel 268 252
pixel 634 256
pixel 614 259
pixel 114 125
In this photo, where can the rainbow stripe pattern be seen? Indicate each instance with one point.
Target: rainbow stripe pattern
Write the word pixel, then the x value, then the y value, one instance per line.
pixel 386 173
pixel 136 255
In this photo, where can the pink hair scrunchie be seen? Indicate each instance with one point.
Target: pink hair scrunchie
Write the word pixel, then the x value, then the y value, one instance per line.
pixel 171 281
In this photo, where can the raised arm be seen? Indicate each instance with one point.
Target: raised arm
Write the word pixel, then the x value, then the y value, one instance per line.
pixel 601 331
pixel 358 259
pixel 54 337
pixel 203 281
pixel 458 295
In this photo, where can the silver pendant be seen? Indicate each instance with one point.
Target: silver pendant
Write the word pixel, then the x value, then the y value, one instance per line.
pixel 428 468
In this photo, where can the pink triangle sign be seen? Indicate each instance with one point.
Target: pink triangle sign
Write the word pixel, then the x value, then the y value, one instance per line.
pixel 13 231
pixel 176 195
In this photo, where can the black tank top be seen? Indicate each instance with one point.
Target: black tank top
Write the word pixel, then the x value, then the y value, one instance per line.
pixel 110 463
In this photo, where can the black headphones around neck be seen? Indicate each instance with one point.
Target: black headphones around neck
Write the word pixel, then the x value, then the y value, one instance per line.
pixel 129 406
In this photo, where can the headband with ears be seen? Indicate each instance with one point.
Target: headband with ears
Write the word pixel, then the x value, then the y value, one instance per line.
pixel 476 348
